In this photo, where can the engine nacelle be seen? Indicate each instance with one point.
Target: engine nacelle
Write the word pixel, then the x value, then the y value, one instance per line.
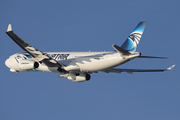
pixel 79 77
pixel 28 64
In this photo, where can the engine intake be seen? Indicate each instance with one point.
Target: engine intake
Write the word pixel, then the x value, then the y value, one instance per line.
pixel 28 64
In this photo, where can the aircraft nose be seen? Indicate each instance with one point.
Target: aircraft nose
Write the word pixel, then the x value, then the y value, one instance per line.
pixel 10 63
pixel 7 63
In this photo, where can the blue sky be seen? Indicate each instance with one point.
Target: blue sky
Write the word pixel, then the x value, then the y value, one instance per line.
pixel 83 25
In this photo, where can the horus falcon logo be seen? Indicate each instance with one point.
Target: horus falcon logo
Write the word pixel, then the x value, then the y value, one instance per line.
pixel 135 37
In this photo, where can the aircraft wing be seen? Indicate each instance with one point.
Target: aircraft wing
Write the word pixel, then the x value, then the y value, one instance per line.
pixel 130 71
pixel 35 53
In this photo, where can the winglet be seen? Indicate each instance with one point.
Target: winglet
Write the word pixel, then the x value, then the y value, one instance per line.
pixel 170 67
pixel 9 28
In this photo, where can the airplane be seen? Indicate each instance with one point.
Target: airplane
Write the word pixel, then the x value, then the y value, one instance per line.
pixel 77 66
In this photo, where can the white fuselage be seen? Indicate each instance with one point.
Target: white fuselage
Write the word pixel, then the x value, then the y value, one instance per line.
pixel 73 61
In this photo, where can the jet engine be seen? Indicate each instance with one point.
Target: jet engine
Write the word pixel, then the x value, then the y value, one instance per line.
pixel 28 64
pixel 76 77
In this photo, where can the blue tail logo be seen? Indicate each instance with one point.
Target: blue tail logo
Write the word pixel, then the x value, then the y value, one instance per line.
pixel 132 41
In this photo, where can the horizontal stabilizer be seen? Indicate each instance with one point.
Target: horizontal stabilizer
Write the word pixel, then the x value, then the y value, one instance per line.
pixel 152 57
pixel 121 50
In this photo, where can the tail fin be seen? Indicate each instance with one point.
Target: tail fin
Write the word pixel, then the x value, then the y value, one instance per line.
pixel 133 40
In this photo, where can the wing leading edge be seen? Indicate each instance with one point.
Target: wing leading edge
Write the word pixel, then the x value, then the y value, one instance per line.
pixel 35 53
pixel 117 70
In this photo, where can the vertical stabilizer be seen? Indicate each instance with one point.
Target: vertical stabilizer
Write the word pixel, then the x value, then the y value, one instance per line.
pixel 132 41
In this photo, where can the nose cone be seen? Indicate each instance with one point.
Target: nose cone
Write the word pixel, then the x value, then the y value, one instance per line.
pixel 10 63
pixel 7 63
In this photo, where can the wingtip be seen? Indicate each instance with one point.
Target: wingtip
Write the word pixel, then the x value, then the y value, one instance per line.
pixel 171 67
pixel 9 28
